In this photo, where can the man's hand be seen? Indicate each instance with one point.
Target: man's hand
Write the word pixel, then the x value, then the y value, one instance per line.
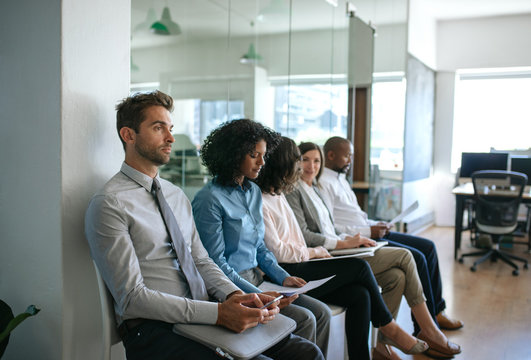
pixel 379 230
pixel 240 312
pixel 285 301
pixel 355 241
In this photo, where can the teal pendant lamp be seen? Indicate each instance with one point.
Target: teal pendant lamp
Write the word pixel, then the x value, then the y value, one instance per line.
pixel 165 26
pixel 251 56
pixel 145 25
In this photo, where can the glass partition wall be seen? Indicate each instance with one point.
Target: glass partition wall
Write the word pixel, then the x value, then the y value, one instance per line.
pixel 284 63
pixel 280 62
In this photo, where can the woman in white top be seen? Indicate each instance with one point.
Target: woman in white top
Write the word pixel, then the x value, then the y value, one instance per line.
pixel 353 286
pixel 391 266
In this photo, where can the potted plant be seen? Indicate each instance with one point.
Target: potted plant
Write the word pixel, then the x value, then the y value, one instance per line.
pixel 8 322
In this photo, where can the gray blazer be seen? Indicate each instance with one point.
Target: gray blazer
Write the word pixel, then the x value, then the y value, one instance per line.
pixel 307 216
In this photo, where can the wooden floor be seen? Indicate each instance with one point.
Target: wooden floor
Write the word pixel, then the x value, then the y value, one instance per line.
pixel 494 305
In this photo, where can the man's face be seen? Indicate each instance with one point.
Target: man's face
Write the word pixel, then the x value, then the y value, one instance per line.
pixel 153 140
pixel 342 157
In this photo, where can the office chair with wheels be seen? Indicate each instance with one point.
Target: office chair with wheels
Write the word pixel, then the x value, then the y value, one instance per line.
pixel 497 196
pixel 109 331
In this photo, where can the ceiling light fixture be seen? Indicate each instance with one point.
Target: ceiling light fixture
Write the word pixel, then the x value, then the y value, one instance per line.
pixel 251 56
pixel 165 26
pixel 145 25
pixel 275 9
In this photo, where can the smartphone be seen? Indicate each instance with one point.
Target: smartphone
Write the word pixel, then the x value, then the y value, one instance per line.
pixel 272 301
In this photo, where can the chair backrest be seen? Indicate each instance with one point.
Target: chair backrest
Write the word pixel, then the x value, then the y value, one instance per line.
pixel 109 331
pixel 497 197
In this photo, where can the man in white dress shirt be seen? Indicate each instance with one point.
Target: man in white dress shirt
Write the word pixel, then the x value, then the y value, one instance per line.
pixel 131 246
pixel 351 219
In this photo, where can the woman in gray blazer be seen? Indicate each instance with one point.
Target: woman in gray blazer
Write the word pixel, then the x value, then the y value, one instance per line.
pixel 390 265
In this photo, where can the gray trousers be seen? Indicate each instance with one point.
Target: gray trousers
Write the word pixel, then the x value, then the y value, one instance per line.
pixel 311 315
pixel 396 273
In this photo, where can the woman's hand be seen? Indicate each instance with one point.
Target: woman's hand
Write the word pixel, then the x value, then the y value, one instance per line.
pixel 355 242
pixel 293 281
pixel 318 252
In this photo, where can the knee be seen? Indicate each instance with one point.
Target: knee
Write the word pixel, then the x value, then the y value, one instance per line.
pixel 359 297
pixel 323 314
pixel 394 279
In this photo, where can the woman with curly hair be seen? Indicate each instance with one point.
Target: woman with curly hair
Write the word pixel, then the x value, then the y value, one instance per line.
pixel 354 285
pixel 228 216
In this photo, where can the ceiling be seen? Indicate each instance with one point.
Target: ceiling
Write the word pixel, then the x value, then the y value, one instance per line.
pixel 201 19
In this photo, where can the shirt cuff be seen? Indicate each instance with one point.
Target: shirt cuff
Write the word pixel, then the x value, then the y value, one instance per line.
pixel 366 232
pixel 206 312
pixel 330 244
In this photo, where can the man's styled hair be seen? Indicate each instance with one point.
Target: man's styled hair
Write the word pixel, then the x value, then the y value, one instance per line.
pixel 280 173
pixel 130 111
pixel 226 147
pixel 333 144
pixel 304 147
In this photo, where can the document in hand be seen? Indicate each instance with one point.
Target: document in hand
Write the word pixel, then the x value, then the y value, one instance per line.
pixel 405 213
pixel 288 291
pixel 358 250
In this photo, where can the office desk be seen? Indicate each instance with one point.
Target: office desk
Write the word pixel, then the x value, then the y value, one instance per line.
pixel 361 187
pixel 361 190
pixel 462 193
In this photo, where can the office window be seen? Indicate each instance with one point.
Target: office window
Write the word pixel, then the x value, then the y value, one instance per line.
pixel 491 110
pixel 387 127
pixel 311 112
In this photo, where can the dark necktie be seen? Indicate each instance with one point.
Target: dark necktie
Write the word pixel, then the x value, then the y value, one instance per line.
pixel 186 261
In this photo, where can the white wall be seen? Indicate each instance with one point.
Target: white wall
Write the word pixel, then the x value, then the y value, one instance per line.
pixel 485 42
pixel 61 75
pixel 390 48
pixel 473 43
pixel 421 41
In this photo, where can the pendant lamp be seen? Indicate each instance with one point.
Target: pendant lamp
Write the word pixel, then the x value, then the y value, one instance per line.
pixel 251 56
pixel 165 26
pixel 145 25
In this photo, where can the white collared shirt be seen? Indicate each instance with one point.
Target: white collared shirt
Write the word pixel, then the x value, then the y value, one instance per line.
pixel 341 200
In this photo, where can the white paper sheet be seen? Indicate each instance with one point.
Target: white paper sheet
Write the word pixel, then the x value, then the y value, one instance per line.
pixel 288 291
pixel 405 213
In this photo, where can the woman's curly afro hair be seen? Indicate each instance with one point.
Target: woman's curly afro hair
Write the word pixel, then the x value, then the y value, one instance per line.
pixel 225 148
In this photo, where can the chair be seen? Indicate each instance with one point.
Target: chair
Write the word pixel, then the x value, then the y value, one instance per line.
pixel 338 336
pixel 109 331
pixel 497 196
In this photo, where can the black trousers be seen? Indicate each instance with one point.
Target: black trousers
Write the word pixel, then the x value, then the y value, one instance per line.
pixel 353 287
pixel 155 340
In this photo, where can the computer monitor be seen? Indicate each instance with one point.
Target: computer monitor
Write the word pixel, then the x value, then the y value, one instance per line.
pixel 522 164
pixel 471 162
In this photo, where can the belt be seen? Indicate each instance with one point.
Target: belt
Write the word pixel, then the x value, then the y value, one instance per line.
pixel 130 326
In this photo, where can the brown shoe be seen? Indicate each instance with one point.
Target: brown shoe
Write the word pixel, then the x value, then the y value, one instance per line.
pixel 384 352
pixel 449 349
pixel 446 323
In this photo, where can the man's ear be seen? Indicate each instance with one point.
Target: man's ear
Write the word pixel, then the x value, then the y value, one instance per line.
pixel 128 135
pixel 330 155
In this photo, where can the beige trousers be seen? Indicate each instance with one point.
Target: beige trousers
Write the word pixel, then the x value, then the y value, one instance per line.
pixel 396 273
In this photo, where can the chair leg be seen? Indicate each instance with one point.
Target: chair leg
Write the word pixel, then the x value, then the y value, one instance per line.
pixel 483 258
pixel 477 253
pixel 506 259
pixel 514 257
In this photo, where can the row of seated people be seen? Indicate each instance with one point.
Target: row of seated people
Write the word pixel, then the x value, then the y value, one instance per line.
pixel 250 232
